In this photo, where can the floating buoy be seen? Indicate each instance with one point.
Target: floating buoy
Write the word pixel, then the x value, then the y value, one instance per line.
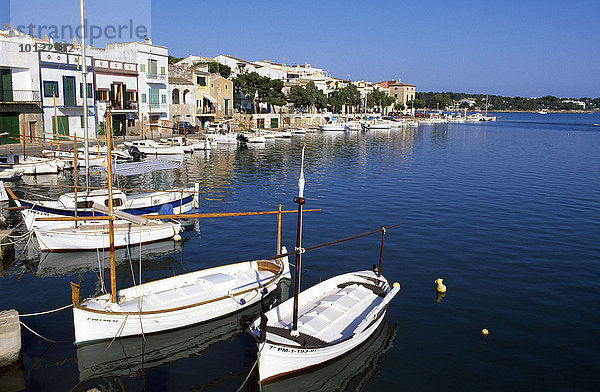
pixel 485 332
pixel 440 286
pixel 177 238
pixel 396 284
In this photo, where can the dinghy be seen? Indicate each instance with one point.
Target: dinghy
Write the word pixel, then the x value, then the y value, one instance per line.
pixel 150 147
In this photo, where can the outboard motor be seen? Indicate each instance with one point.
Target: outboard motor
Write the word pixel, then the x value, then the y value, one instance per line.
pixel 242 138
pixel 136 154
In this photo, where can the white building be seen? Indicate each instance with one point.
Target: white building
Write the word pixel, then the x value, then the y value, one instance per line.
pixel 153 80
pixel 116 90
pixel 62 94
pixel 237 66
pixel 20 104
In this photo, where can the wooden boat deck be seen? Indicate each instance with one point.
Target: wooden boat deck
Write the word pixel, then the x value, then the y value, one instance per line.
pixel 331 317
pixel 190 290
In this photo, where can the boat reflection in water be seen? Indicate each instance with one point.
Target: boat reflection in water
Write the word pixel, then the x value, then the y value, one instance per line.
pixel 354 368
pixel 132 356
pixel 66 263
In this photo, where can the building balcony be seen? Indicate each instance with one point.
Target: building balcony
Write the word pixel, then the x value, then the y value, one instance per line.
pixel 154 76
pixel 158 106
pixel 19 96
pixel 205 111
pixel 127 105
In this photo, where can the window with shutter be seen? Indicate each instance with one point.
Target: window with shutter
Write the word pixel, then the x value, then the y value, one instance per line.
pixel 69 90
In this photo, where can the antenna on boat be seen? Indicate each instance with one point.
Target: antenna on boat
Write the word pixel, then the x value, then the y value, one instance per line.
pixel 300 200
pixel 111 223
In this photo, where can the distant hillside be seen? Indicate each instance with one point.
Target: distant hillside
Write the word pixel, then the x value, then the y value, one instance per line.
pixel 433 100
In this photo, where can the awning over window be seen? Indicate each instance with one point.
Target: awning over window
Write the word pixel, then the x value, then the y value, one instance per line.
pixel 209 97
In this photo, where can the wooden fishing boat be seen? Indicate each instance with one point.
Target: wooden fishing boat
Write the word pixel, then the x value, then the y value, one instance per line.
pixel 137 354
pixel 176 302
pixel 95 235
pixel 335 317
pixel 325 321
pixel 150 147
pixel 33 165
pixel 177 201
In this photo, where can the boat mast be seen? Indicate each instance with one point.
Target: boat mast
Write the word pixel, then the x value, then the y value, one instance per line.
pixel 111 224
pixel 84 94
pixel 300 200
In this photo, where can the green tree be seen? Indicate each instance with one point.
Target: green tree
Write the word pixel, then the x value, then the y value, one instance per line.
pixel 270 92
pixel 173 60
pixel 352 95
pixel 216 67
pixel 299 97
pixel 248 84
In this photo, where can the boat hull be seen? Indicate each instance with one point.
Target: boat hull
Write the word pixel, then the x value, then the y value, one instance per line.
pixel 97 237
pixel 335 317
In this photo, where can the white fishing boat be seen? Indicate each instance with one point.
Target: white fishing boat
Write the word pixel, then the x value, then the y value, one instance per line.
pixel 222 138
pixel 178 201
pixel 69 157
pixel 32 165
pixel 333 127
pixel 151 147
pixel 379 125
pixel 334 317
pixel 325 321
pixel 298 131
pixel 95 235
pixel 177 301
pixel 250 138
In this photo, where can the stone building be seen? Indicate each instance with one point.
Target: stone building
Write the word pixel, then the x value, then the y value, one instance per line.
pixel 181 89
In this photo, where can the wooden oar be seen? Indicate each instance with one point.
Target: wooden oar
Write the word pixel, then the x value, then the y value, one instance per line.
pixel 176 216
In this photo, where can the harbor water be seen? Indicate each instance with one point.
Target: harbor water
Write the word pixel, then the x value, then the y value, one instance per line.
pixel 506 212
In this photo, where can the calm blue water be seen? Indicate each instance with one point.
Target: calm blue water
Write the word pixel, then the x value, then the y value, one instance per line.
pixel 507 213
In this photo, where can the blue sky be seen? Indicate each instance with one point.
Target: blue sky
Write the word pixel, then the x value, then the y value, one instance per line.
pixel 527 48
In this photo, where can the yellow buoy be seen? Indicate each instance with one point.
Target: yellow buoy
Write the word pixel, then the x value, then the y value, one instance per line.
pixel 441 288
pixel 396 284
pixel 485 332
pixel 177 238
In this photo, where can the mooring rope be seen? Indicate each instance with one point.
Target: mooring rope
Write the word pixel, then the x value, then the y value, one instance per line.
pixel 40 336
pixel 46 312
pixel 252 368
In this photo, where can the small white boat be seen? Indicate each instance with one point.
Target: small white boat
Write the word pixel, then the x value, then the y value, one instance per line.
pixel 335 317
pixel 69 157
pixel 176 302
pixel 542 112
pixel 250 138
pixel 95 235
pixel 325 321
pixel 153 148
pixel 298 131
pixel 379 124
pixel 333 127
pixel 33 165
pixel 178 201
pixel 222 138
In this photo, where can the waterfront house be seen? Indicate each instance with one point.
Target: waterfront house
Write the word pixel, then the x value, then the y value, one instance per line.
pixel 63 94
pixel 181 89
pixel 116 89
pixel 153 80
pixel 221 89
pixel 20 102
pixel 205 102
